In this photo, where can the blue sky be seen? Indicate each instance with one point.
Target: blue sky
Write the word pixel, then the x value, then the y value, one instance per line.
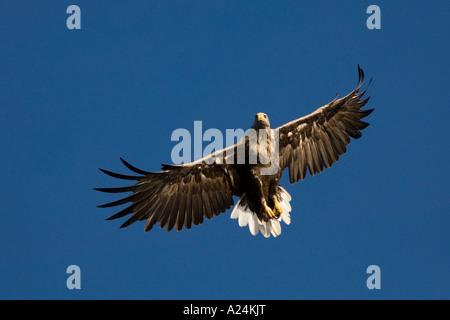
pixel 76 100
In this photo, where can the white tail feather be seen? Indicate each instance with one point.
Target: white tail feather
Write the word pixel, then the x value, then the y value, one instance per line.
pixel 267 228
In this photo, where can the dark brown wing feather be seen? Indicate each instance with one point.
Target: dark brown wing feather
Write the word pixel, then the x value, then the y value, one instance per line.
pixel 177 197
pixel 317 140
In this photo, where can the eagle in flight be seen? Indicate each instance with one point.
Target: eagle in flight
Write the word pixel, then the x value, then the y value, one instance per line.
pixel 182 195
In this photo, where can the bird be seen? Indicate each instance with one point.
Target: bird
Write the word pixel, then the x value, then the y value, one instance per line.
pixel 182 195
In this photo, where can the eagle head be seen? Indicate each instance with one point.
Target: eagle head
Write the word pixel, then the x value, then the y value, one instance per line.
pixel 261 121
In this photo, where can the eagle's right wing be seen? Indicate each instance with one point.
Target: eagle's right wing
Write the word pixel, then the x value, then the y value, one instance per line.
pixel 180 195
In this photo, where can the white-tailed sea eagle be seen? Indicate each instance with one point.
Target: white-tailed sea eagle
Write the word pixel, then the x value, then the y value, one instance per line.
pixel 182 195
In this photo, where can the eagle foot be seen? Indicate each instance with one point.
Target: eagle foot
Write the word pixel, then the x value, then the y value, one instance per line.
pixel 269 211
pixel 277 209
pixel 276 212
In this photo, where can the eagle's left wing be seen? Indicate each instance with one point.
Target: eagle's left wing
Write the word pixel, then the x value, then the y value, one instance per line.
pixel 318 139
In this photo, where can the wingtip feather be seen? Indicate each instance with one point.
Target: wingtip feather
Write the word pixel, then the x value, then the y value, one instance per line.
pixel 119 176
pixel 133 168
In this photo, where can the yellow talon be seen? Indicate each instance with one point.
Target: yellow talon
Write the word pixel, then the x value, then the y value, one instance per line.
pixel 277 209
pixel 276 212
pixel 269 212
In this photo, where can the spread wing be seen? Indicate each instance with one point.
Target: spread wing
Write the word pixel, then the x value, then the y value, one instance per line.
pixel 180 195
pixel 317 140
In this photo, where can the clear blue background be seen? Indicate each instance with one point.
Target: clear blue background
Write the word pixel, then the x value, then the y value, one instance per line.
pixel 72 101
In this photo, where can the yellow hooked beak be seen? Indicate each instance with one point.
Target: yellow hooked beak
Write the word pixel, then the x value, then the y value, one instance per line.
pixel 260 116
